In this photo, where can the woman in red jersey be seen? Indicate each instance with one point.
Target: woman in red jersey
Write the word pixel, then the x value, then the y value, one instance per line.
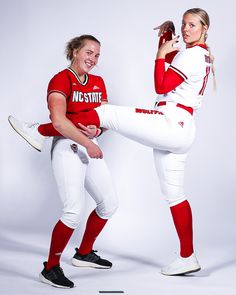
pixel 72 96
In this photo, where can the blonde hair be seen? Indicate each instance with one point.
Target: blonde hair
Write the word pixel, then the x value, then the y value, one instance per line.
pixel 205 21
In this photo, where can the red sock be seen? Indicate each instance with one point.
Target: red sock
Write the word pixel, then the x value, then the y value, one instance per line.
pixel 182 217
pixel 48 130
pixel 60 237
pixel 94 226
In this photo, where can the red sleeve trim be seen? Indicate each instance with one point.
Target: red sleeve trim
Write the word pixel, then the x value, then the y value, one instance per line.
pixel 57 91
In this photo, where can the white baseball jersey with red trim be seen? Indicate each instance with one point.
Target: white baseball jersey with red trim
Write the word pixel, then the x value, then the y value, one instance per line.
pixel 193 65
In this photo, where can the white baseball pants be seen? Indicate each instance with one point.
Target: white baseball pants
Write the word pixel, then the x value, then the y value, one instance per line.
pixel 168 129
pixel 74 172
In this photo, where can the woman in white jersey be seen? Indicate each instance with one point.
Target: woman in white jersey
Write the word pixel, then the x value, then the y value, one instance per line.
pixel 170 129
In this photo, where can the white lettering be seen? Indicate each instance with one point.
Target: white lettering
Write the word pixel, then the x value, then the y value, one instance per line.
pixel 75 96
pixel 89 97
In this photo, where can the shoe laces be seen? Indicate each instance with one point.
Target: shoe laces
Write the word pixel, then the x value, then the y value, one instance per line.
pixel 93 253
pixel 57 271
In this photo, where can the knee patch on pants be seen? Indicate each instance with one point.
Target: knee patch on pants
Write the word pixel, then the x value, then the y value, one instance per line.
pixel 106 211
pixel 172 189
pixel 71 219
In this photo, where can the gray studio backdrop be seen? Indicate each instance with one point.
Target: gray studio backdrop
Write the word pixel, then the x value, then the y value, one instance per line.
pixel 33 38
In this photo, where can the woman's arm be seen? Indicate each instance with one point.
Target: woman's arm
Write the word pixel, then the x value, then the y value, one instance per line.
pixel 165 33
pixel 57 108
pixel 166 81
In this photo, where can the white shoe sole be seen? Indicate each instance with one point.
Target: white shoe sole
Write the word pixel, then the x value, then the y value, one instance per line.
pixel 45 281
pixel 25 137
pixel 184 272
pixel 81 263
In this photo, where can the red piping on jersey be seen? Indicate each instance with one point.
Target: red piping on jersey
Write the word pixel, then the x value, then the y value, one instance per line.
pixel 179 72
pixel 205 81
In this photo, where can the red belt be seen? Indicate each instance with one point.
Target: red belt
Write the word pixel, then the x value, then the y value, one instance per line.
pixel 188 109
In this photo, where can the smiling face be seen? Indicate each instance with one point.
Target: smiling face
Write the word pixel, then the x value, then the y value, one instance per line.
pixel 193 31
pixel 85 58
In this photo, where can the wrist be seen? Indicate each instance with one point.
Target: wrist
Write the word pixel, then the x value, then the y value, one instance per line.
pixel 160 55
pixel 87 143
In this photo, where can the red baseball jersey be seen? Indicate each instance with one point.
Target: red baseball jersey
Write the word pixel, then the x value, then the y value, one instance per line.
pixel 82 97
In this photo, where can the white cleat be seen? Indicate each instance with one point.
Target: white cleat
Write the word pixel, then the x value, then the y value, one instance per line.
pixel 182 266
pixel 29 131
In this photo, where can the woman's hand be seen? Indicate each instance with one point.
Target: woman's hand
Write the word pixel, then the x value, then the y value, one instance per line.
pixel 166 26
pixel 94 151
pixel 90 131
pixel 168 47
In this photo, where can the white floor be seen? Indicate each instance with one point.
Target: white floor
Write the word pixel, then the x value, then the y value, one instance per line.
pixel 135 274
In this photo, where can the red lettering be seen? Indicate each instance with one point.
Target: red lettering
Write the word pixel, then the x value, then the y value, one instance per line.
pixel 149 112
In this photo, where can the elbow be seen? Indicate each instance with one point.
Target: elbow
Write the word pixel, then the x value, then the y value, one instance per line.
pixel 159 90
pixel 57 124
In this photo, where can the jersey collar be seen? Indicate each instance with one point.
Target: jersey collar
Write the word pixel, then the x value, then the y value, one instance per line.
pixel 77 77
pixel 201 45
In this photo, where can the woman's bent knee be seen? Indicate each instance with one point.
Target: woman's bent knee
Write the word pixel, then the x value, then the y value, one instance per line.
pixel 71 219
pixel 106 212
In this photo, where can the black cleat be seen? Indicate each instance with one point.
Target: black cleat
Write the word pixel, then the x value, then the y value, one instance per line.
pixel 55 277
pixel 90 260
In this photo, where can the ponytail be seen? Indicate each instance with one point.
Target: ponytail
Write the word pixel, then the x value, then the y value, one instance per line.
pixel 205 21
pixel 212 59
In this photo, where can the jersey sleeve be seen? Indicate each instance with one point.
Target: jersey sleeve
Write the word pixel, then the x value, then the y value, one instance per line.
pixel 165 81
pixel 60 83
pixel 184 63
pixel 104 91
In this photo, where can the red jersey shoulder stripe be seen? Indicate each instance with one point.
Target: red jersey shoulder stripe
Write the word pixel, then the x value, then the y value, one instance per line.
pixel 178 72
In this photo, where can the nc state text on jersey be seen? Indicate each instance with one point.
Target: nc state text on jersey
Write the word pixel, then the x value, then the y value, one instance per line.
pixel 88 97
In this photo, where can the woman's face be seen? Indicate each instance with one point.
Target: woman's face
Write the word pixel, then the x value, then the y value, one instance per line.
pixel 86 57
pixel 192 30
